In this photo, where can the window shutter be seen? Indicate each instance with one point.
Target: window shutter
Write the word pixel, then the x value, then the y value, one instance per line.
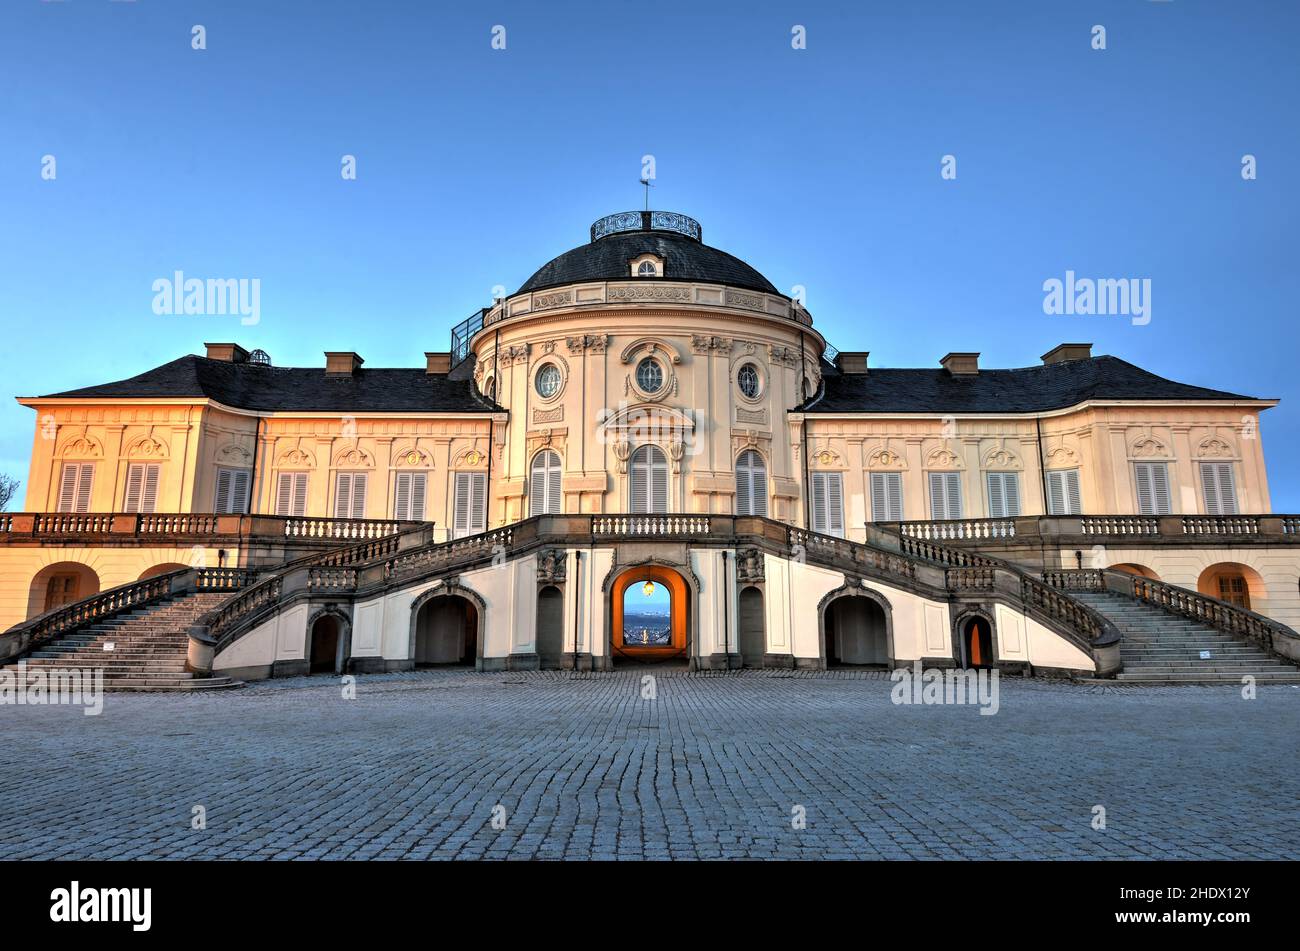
pixel 751 484
pixel 1219 487
pixel 343 495
pixel 225 479
pixel 819 502
pixel 402 496
pixel 658 482
pixel 1072 491
pixel 1056 494
pixel 649 488
pixel 68 488
pixel 134 486
pixel 554 503
pixel 299 507
pixel 461 503
pixel 478 499
pixel 945 495
pixel 240 481
pixel 149 501
pixel 284 494
pixel 419 485
pixel 640 485
pixel 835 504
pixel 1152 480
pixel 887 496
pixel 360 481
pixel 1004 494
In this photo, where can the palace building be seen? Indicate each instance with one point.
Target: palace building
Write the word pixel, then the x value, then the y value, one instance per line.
pixel 648 453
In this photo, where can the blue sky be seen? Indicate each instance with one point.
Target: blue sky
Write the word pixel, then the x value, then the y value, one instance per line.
pixel 820 167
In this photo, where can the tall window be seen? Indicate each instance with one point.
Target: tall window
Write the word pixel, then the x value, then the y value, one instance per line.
pixel 232 491
pixel 1004 494
pixel 350 495
pixel 945 495
pixel 141 488
pixel 828 503
pixel 649 469
pixel 408 496
pixel 887 496
pixel 74 487
pixel 1063 492
pixel 1152 481
pixel 291 494
pixel 544 486
pixel 1219 487
pixel 751 484
pixel 469 513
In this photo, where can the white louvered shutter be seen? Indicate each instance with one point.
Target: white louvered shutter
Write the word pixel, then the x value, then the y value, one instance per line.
pixel 828 503
pixel 141 488
pixel 460 505
pixel 291 494
pixel 1152 479
pixel 751 484
pixel 224 489
pixel 649 472
pixel 350 495
pixel 887 496
pixel 419 490
pixel 240 481
pixel 1063 492
pixel 478 503
pixel 1220 488
pixel 74 489
pixel 1004 494
pixel 945 495
pixel 408 496
pixel 544 486
pixel 469 516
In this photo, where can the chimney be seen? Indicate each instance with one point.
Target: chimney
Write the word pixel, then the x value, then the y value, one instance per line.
pixel 342 363
pixel 1068 351
pixel 853 361
pixel 437 362
pixel 228 352
pixel 961 364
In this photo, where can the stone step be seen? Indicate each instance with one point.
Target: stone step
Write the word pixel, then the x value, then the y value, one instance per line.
pixel 1292 677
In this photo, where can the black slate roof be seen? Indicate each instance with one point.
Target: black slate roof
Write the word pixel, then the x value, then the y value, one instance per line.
pixel 298 389
pixel 1025 390
pixel 685 259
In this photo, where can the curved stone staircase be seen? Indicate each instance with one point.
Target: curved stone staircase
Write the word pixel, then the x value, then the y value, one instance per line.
pixel 143 649
pixel 1159 647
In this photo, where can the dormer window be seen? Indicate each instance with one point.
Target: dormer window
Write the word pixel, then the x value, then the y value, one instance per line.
pixel 647 265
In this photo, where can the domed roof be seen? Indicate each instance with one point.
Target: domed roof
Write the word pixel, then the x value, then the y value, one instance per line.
pixel 617 239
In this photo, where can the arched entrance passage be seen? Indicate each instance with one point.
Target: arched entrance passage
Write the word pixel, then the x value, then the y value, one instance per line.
pixel 1235 583
pixel 1142 571
pixel 162 569
pixel 324 650
pixel 648 615
pixel 751 633
pixel 856 631
pixel 550 627
pixel 59 584
pixel 446 631
pixel 976 642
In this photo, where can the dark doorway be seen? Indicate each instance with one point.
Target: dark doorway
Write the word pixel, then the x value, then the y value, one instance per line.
pixel 446 633
pixel 751 633
pixel 977 642
pixel 550 627
pixel 325 645
pixel 856 634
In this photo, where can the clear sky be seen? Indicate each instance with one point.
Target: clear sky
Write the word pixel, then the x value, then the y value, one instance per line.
pixel 821 167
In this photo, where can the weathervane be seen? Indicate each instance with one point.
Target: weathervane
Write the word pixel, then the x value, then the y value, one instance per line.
pixel 648 186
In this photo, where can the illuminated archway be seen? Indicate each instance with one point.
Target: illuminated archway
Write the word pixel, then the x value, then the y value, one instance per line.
pixel 1235 583
pixel 1142 571
pixel 60 584
pixel 162 569
pixel 657 629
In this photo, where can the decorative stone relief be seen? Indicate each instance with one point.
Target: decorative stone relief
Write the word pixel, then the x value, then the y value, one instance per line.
pixel 885 458
pixel 552 300
pixel 83 447
pixel 596 343
pixel 622 449
pixel 718 346
pixel 1002 459
pixel 786 356
pixel 742 299
pixel 1214 448
pixel 943 459
pixel 649 292
pixel 758 416
pixel 551 566
pixel 548 415
pixel 749 565
pixel 1148 447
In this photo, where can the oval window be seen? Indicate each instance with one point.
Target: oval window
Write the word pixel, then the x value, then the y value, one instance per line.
pixel 548 381
pixel 649 375
pixel 747 380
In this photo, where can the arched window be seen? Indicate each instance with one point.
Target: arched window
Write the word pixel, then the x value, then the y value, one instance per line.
pixel 751 484
pixel 649 468
pixel 544 488
pixel 647 269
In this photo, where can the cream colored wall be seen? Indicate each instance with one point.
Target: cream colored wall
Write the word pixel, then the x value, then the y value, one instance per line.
pixel 1101 442
pixel 19 567
pixel 1275 593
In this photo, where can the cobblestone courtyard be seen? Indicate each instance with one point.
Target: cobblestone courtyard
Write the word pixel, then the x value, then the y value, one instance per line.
pixel 713 768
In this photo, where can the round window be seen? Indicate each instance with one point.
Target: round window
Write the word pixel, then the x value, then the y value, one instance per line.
pixel 747 380
pixel 649 375
pixel 548 381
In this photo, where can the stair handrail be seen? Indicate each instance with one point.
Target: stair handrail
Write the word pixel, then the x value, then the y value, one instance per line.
pixel 105 605
pixel 968 572
pixel 1274 636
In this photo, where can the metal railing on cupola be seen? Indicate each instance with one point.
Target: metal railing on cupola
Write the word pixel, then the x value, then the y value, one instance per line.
pixel 463 332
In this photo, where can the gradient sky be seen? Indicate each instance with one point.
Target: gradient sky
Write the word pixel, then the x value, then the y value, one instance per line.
pixel 820 167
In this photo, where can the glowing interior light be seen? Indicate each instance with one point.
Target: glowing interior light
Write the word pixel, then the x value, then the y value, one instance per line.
pixel 649 589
